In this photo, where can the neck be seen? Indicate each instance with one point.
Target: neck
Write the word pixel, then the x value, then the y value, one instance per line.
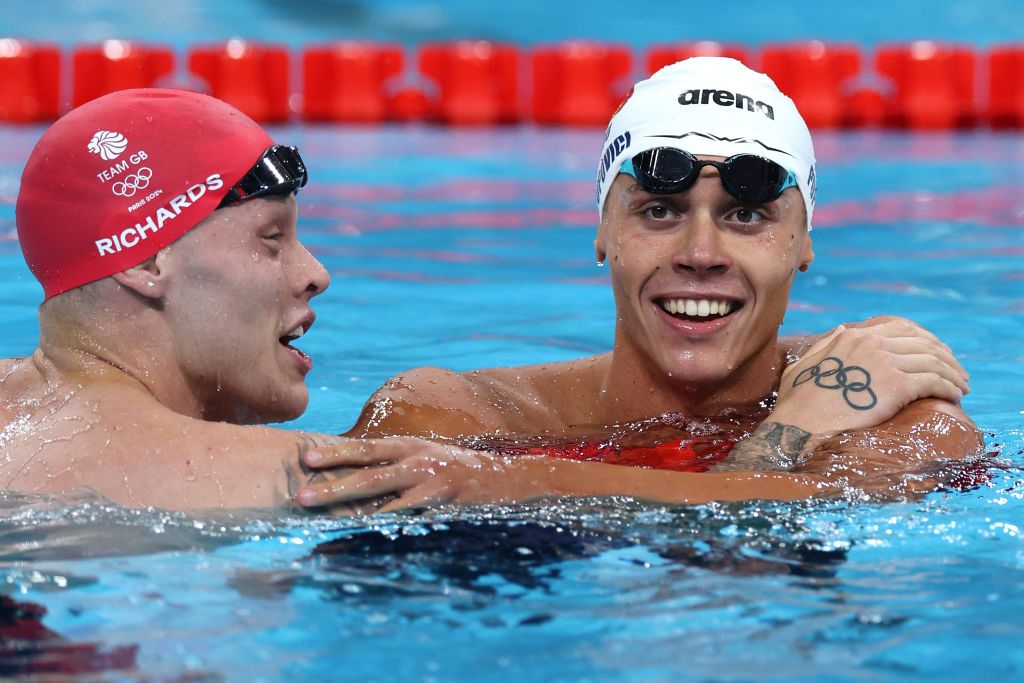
pixel 634 388
pixel 136 360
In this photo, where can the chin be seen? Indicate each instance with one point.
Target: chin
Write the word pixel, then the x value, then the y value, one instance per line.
pixel 287 406
pixel 291 409
pixel 696 372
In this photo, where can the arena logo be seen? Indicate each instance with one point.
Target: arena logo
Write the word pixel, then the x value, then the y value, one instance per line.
pixel 131 236
pixel 724 98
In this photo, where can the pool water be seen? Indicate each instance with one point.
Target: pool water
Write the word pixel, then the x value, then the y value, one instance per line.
pixel 472 248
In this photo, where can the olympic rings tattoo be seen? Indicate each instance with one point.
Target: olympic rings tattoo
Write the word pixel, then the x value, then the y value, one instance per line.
pixel 854 380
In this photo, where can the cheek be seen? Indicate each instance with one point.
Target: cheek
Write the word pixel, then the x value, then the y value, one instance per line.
pixel 639 252
pixel 773 258
pixel 226 305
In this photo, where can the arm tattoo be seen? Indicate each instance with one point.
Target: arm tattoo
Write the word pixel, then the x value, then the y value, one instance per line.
pixel 854 380
pixel 296 472
pixel 772 446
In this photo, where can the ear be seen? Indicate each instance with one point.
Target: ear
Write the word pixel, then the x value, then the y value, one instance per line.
pixel 149 278
pixel 807 256
pixel 601 241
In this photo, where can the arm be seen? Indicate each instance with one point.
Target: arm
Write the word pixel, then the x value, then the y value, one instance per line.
pixel 436 473
pixel 815 424
pixel 884 392
pixel 175 463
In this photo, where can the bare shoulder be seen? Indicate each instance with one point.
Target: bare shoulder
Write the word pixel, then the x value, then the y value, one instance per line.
pixel 924 432
pixel 17 379
pixel 942 426
pixel 431 402
pixel 434 402
pixel 131 449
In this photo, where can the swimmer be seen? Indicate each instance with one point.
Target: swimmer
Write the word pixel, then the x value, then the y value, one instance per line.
pixel 706 191
pixel 162 227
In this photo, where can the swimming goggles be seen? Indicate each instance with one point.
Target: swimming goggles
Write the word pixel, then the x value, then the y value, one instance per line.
pixel 279 171
pixel 747 177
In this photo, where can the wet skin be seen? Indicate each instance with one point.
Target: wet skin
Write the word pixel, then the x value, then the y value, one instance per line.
pixel 701 244
pixel 698 244
pixel 144 400
pixel 249 267
pixel 719 372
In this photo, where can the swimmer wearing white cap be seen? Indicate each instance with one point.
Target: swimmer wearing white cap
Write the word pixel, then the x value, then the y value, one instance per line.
pixel 706 189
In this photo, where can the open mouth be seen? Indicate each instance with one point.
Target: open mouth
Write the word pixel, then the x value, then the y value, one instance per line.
pixel 287 339
pixel 699 310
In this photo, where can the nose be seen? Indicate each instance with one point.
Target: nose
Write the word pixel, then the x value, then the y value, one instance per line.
pixel 700 250
pixel 314 278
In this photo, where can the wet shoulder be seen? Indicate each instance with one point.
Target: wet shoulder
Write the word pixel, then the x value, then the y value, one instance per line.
pixel 430 402
pixel 19 384
pixel 435 402
pixel 548 396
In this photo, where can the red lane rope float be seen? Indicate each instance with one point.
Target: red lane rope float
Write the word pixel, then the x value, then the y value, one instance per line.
pixel 30 74
pixel 922 85
pixel 114 65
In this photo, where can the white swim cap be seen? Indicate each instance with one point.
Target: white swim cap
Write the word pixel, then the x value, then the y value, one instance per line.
pixel 710 106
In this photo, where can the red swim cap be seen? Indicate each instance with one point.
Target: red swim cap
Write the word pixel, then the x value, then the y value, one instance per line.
pixel 118 179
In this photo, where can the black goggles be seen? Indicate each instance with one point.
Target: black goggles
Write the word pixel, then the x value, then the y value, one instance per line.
pixel 747 177
pixel 279 171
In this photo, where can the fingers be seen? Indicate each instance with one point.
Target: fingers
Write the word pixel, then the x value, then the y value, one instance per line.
pixel 862 346
pixel 424 495
pixel 932 378
pixel 363 452
pixel 369 483
pixel 891 326
pixel 920 353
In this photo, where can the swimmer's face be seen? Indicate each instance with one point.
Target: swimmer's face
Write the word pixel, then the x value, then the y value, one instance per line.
pixel 706 247
pixel 241 288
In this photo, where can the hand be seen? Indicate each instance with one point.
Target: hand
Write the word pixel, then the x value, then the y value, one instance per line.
pixel 863 374
pixel 417 473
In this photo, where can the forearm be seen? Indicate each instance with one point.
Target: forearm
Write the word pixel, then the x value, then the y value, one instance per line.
pixel 555 477
pixel 924 432
pixel 773 446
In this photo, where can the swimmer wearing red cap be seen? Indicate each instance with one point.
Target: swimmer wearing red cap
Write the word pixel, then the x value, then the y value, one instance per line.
pixel 162 227
pixel 706 189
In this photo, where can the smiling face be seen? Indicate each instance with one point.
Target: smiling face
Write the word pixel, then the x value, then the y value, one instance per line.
pixel 701 280
pixel 239 295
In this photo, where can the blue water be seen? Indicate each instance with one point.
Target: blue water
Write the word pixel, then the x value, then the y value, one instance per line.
pixel 470 248
pixel 748 22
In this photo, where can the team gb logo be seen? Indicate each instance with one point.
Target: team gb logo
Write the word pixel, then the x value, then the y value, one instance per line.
pixel 108 144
